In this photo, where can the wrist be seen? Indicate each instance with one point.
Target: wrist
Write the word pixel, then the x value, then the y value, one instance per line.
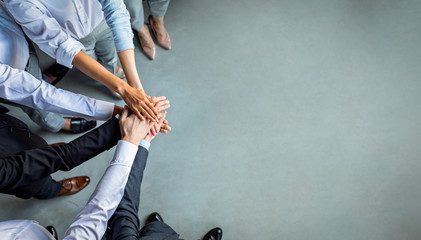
pixel 135 142
pixel 134 84
pixel 121 87
pixel 117 110
pixel 148 138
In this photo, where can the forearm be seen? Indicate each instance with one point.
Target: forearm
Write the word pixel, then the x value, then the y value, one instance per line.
pixel 127 60
pixel 91 222
pixel 93 69
pixel 135 98
pixel 21 87
pixel 49 159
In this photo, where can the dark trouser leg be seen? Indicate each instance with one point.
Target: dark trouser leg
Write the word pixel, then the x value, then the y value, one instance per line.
pixel 28 168
pixel 16 137
pixel 50 121
pixel 49 189
pixel 157 230
pixel 124 224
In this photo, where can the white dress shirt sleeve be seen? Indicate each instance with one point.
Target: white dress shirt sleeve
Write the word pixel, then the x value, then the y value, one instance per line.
pixel 91 222
pixel 23 229
pixel 118 19
pixel 21 87
pixel 42 28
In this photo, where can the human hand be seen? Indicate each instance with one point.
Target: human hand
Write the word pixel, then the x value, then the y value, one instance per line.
pixel 160 104
pixel 159 125
pixel 133 129
pixel 139 103
pixel 165 127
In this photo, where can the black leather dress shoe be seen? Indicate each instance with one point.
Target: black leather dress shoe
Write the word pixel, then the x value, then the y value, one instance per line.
pixel 214 234
pixel 78 125
pixel 58 71
pixel 154 217
pixel 3 109
pixel 53 231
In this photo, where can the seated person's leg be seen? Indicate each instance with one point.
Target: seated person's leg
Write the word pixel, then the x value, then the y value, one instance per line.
pixel 106 52
pixel 15 136
pixel 27 169
pixel 54 122
pixel 3 109
pixel 156 228
pixel 44 188
pixel 50 121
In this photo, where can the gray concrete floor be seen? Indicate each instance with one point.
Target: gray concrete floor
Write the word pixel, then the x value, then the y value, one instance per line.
pixel 291 120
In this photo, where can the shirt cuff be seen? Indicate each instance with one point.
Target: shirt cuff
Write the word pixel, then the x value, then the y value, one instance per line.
pixel 145 144
pixel 124 41
pixel 104 110
pixel 124 153
pixel 67 51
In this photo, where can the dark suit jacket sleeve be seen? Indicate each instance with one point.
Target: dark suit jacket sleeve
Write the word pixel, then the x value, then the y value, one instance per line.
pixel 31 165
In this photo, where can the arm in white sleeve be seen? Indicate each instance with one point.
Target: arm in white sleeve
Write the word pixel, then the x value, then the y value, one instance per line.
pixel 42 28
pixel 21 87
pixel 91 222
pixel 118 19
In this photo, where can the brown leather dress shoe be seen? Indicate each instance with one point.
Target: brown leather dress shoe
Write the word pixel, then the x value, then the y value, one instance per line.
pixel 73 185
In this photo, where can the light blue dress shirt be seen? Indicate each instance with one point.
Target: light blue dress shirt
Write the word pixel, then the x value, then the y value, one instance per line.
pixel 56 26
pixel 18 86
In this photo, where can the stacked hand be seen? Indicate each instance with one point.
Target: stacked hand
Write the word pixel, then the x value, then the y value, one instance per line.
pixel 133 129
pixel 160 104
pixel 139 103
pixel 164 128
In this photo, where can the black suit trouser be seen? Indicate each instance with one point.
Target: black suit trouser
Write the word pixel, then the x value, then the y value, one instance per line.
pixel 27 173
pixel 125 224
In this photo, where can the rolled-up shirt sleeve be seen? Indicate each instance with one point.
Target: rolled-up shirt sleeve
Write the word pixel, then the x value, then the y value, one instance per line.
pixel 21 87
pixel 42 28
pixel 118 19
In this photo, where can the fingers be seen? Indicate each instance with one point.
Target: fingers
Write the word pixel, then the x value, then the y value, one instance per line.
pixel 165 129
pixel 152 110
pixel 149 110
pixel 149 97
pixel 124 114
pixel 146 111
pixel 153 130
pixel 157 99
pixel 162 105
pixel 158 125
pixel 135 111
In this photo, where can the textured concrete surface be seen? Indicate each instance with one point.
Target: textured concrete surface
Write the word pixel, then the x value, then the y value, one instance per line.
pixel 291 120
